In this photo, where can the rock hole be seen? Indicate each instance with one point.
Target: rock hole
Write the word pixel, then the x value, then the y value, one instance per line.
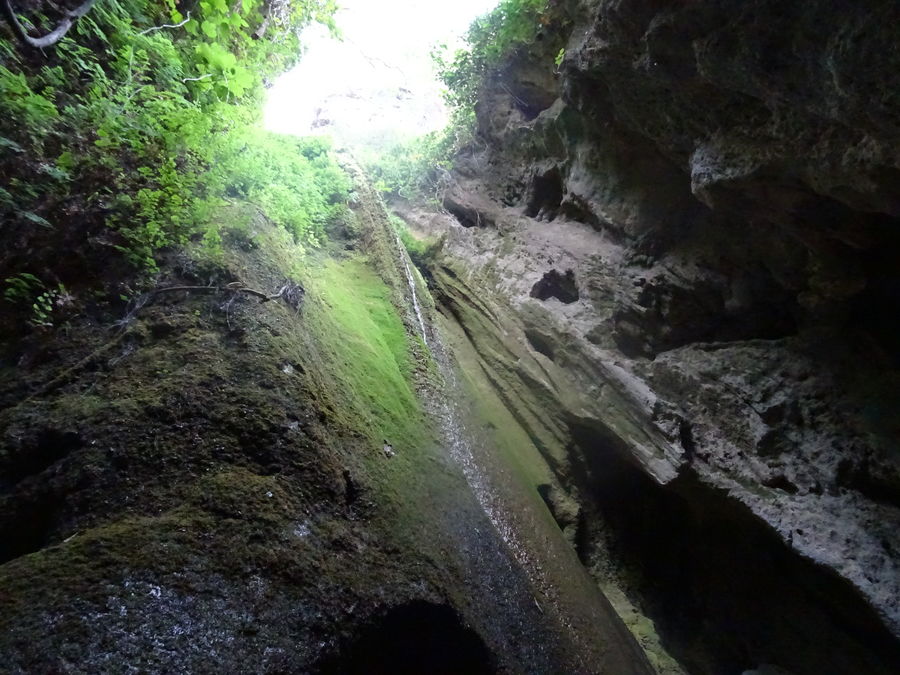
pixel 27 526
pixel 539 343
pixel 413 638
pixel 351 489
pixel 546 195
pixel 556 285
pixel 466 215
pixel 686 436
pixel 781 482
pixel 50 446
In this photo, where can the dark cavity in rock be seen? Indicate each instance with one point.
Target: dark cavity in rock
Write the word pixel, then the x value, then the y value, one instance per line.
pixel 545 196
pixel 50 446
pixel 707 563
pixel 27 524
pixel 466 215
pixel 540 343
pixel 556 285
pixel 416 637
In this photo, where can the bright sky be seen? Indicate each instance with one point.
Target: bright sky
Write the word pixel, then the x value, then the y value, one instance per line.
pixel 379 80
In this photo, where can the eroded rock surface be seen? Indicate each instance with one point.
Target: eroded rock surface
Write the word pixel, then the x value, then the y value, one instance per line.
pixel 210 482
pixel 675 259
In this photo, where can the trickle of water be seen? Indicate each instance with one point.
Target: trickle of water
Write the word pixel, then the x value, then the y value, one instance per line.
pixel 412 287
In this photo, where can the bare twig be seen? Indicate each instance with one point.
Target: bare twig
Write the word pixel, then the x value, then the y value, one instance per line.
pixel 291 293
pixel 54 36
pixel 196 79
pixel 167 25
pixel 234 288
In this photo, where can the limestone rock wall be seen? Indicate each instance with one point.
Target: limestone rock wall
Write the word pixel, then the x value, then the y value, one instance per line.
pixel 676 258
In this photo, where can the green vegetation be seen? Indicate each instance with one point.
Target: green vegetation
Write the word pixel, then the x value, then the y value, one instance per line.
pixel 24 288
pixel 492 38
pixel 414 168
pixel 421 250
pixel 137 134
pixel 129 134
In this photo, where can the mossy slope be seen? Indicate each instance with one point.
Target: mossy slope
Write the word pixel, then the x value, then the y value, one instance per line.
pixel 200 488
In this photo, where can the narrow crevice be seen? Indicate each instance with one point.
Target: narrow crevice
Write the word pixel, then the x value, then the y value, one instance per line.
pixel 539 343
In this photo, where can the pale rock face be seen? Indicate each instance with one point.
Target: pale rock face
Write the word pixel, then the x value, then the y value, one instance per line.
pixel 676 260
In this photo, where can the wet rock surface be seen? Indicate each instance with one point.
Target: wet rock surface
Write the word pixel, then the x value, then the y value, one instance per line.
pixel 685 280
pixel 210 483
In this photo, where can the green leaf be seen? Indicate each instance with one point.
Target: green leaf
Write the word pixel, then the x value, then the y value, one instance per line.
pixel 209 28
pixel 243 77
pixel 10 145
pixel 228 60
pixel 36 219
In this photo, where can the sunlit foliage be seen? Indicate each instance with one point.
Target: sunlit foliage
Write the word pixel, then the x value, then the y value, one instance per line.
pixel 415 168
pixel 145 117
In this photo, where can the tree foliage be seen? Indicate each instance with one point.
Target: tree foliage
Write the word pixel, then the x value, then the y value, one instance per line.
pixel 127 134
pixel 490 40
pixel 415 168
pixel 411 168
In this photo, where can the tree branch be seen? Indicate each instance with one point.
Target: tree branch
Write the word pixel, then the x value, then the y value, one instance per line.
pixel 234 288
pixel 167 25
pixel 196 79
pixel 291 293
pixel 54 36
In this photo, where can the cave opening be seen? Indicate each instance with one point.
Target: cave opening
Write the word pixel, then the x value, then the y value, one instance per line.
pixel 410 639
pixel 556 285
pixel 545 195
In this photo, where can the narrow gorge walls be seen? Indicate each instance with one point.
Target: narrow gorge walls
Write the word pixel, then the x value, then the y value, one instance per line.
pixel 673 255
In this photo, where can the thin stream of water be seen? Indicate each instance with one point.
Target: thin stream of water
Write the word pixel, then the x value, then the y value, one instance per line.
pixel 459 441
pixel 412 286
pixel 557 591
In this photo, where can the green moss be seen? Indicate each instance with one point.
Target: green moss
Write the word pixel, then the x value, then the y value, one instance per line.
pixel 364 351
pixel 80 406
pixel 422 250
pixel 514 446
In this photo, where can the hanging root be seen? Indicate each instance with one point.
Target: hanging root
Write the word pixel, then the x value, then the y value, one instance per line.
pixel 291 293
pixel 54 36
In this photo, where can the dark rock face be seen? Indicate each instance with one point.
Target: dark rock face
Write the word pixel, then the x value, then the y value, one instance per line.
pixel 721 181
